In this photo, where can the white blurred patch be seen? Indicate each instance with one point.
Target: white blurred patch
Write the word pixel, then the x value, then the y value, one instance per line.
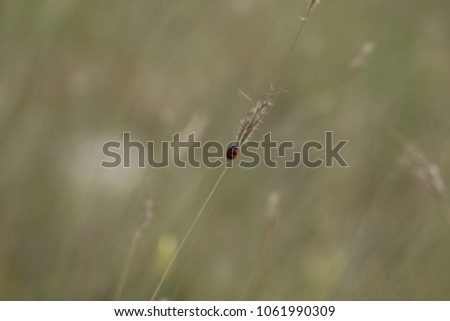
pixel 82 165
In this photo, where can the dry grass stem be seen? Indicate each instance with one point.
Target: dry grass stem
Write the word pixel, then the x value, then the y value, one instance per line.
pixel 260 108
pixel 253 118
pixel 146 217
pixel 248 126
pixel 313 4
pixel 362 56
pixel 274 216
pixel 424 171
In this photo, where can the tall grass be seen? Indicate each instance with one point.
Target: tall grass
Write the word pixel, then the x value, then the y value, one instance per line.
pixel 248 126
pixel 76 74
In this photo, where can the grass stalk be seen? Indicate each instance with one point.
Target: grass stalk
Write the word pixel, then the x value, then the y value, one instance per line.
pixel 188 233
pixel 124 276
pixel 253 118
pixel 145 220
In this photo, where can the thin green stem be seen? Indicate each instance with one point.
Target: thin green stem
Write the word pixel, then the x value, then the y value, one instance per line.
pixel 188 233
pixel 124 276
pixel 270 94
pixel 291 50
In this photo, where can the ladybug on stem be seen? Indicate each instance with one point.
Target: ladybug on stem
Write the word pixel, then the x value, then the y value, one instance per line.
pixel 232 151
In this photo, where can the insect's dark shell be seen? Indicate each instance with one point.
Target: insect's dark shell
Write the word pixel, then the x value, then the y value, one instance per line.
pixel 232 152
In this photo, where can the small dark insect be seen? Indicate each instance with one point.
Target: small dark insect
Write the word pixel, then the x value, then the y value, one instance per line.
pixel 232 151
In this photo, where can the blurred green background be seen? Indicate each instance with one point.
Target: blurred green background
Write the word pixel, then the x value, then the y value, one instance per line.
pixel 77 73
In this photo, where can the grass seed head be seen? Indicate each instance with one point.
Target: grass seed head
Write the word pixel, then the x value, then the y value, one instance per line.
pixel 253 119
pixel 313 4
pixel 147 215
pixel 425 172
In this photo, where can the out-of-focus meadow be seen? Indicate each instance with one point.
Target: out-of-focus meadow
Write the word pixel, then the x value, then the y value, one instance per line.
pixel 77 73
